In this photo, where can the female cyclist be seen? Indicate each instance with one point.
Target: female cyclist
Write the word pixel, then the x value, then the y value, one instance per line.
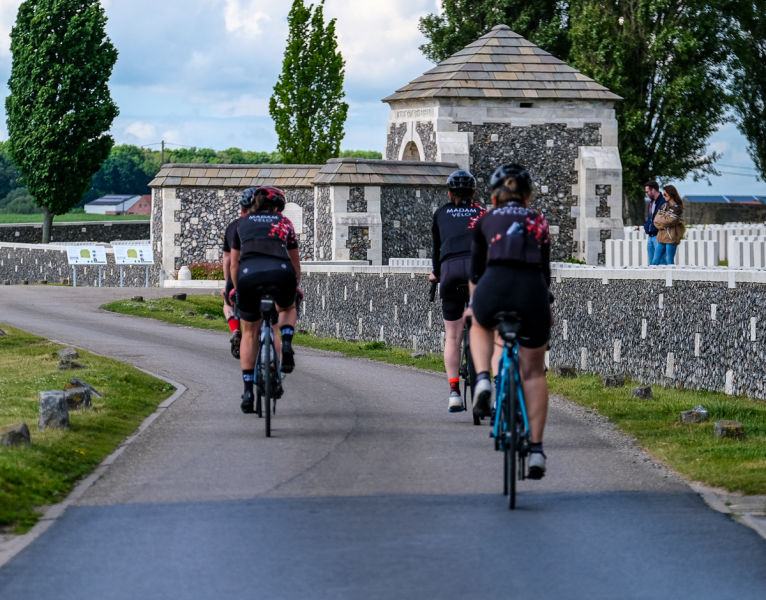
pixel 510 271
pixel 264 252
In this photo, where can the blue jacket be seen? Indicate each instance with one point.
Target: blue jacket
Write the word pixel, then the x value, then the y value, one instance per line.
pixel 649 227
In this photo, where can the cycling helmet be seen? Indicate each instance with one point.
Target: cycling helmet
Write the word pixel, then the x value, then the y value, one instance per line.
pixel 515 170
pixel 247 198
pixel 272 196
pixel 461 180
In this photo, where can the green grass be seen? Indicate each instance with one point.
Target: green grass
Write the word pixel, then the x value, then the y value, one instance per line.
pixel 691 450
pixel 44 472
pixel 70 217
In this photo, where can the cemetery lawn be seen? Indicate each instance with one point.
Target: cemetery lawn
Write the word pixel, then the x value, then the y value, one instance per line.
pixel 691 450
pixel 44 472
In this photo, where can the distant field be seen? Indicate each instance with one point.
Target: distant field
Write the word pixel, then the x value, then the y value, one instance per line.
pixel 71 217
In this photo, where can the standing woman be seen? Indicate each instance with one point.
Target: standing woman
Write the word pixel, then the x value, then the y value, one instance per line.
pixel 510 271
pixel 669 222
pixel 264 252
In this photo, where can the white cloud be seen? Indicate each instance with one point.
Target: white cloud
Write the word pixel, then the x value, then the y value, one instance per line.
pixel 243 106
pixel 144 133
pixel 245 16
pixel 8 10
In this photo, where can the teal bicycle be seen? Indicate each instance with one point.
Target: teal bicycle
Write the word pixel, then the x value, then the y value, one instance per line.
pixel 510 427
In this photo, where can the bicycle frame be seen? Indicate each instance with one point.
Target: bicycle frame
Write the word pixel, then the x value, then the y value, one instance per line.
pixel 509 364
pixel 267 355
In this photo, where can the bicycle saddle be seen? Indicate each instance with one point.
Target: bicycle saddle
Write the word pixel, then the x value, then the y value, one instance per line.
pixel 509 324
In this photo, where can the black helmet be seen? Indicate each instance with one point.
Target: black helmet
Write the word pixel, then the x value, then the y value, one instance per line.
pixel 274 196
pixel 515 170
pixel 247 197
pixel 461 180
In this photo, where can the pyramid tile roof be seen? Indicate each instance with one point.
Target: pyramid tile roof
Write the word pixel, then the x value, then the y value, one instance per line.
pixel 502 64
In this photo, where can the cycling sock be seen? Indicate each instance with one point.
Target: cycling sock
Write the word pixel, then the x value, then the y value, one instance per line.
pixel 233 323
pixel 482 375
pixel 454 384
pixel 536 447
pixel 248 376
pixel 287 333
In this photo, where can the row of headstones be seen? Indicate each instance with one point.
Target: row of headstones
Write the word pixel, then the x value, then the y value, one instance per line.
pixel 722 429
pixel 54 405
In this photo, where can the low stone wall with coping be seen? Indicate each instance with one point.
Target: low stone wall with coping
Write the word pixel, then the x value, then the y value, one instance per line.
pixel 680 327
pixel 48 262
pixel 85 231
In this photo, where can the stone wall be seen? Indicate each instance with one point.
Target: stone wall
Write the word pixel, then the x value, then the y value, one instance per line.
pixel 86 231
pixel 48 262
pixel 427 134
pixel 688 328
pixel 407 214
pixel 396 133
pixel 323 224
pixel 708 213
pixel 549 152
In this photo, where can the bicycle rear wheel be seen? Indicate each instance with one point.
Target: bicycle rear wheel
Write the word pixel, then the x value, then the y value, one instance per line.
pixel 266 358
pixel 511 439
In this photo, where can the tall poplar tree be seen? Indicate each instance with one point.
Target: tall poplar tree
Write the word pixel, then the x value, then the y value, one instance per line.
pixel 749 80
pixel 59 108
pixel 307 105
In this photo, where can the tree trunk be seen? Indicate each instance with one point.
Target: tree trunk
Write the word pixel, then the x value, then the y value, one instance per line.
pixel 47 223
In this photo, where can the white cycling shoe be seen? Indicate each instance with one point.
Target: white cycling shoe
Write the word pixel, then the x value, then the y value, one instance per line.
pixel 455 402
pixel 536 463
pixel 482 394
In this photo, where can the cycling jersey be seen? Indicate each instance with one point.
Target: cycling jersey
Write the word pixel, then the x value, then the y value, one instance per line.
pixel 265 234
pixel 451 229
pixel 228 237
pixel 511 234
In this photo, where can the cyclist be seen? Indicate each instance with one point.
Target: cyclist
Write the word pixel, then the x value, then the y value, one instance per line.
pixel 264 252
pixel 229 310
pixel 451 258
pixel 510 271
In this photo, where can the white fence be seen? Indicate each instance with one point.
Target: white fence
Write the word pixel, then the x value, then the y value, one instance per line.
pixel 741 244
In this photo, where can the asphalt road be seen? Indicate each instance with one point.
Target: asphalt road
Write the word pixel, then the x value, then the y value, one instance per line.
pixel 368 488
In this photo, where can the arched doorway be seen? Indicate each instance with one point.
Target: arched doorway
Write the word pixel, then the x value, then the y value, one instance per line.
pixel 411 152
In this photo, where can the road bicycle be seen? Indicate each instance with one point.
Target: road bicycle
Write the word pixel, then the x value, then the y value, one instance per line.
pixel 466 371
pixel 268 375
pixel 510 428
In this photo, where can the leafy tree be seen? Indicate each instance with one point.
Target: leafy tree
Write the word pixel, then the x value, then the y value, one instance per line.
pixel 667 59
pixel 370 154
pixel 307 105
pixel 749 80
pixel 19 202
pixel 123 172
pixel 9 174
pixel 59 108
pixel 464 21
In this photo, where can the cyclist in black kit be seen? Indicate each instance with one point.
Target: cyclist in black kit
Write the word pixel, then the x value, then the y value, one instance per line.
pixel 510 271
pixel 452 224
pixel 264 252
pixel 229 310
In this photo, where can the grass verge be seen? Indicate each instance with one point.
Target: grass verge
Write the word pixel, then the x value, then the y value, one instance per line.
pixel 44 472
pixel 691 450
pixel 70 218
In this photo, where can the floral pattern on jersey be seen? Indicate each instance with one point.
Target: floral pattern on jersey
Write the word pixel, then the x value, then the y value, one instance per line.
pixel 538 227
pixel 481 210
pixel 283 229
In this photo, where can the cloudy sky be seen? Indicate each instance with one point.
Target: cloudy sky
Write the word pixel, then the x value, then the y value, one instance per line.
pixel 200 73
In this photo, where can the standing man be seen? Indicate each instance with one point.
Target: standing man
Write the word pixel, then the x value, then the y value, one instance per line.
pixel 656 200
pixel 451 257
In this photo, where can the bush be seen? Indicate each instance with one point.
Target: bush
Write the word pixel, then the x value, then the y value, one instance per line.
pixel 202 270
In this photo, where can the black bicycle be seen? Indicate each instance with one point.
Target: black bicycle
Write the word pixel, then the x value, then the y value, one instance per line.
pixel 511 425
pixel 268 375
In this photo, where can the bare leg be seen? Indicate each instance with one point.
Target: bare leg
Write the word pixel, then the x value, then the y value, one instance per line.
pixel 481 346
pixel 532 365
pixel 453 331
pixel 248 349
pixel 287 316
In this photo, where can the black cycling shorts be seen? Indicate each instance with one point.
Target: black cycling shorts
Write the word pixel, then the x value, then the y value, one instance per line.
pixel 257 273
pixel 514 288
pixel 453 289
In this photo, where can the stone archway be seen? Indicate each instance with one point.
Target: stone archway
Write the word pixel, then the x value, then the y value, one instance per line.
pixel 411 152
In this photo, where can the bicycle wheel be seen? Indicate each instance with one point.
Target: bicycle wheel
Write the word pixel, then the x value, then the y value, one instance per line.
pixel 266 358
pixel 511 439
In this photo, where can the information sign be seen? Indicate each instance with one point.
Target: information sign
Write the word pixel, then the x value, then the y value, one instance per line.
pixel 86 254
pixel 133 253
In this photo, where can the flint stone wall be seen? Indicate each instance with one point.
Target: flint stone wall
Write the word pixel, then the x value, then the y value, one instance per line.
pixel 677 327
pixel 407 214
pixel 88 231
pixel 37 262
pixel 549 152
pixel 396 133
